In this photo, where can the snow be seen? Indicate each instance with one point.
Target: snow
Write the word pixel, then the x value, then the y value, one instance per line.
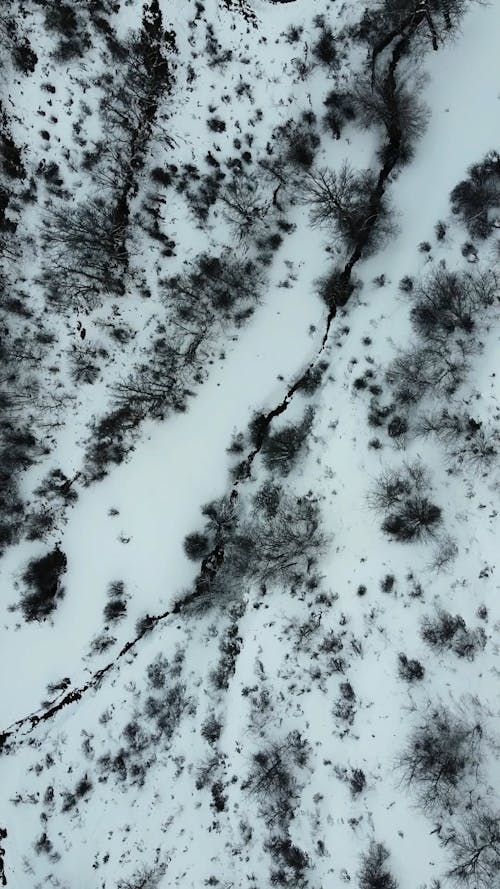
pixel 181 463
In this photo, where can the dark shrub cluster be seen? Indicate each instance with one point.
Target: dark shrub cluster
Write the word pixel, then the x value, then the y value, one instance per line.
pixel 43 578
pixel 324 49
pixel 449 632
pixel 336 288
pixel 229 648
pixel 290 862
pixel 404 497
pixel 274 777
pixel 281 449
pixel 410 670
pixel 339 111
pixel 116 608
pixel 449 310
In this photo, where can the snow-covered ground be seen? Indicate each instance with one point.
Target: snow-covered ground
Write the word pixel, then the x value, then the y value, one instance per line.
pixel 277 645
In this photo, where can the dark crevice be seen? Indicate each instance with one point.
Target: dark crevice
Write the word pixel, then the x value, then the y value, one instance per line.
pixel 212 563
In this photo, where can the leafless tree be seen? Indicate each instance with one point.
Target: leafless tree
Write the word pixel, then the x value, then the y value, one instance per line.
pixel 442 758
pixel 380 102
pixel 343 201
pixel 475 846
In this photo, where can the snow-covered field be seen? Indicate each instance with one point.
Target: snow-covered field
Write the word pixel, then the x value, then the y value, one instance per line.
pixel 337 698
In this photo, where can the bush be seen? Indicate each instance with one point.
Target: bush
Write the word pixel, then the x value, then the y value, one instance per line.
pixel 335 289
pixel 442 751
pixel 340 110
pixel 196 545
pixel 214 290
pixel 282 448
pixel 416 518
pixel 374 873
pixel 144 878
pixel 211 729
pixel 397 426
pixel 387 583
pixel 43 577
pixel 476 199
pixel 357 781
pixel 409 670
pixel 312 379
pixel 324 50
pixel 448 632
pixel 404 497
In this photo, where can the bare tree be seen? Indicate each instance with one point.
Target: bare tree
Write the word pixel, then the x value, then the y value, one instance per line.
pixel 378 101
pixel 245 206
pixel 343 201
pixel 442 757
pixel 374 873
pixel 467 442
pixel 477 199
pixel 475 846
pixel 86 254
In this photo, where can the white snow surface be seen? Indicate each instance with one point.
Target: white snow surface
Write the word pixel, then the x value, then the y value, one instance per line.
pixel 181 463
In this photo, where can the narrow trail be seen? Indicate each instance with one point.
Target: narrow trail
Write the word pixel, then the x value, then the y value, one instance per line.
pixel 19 731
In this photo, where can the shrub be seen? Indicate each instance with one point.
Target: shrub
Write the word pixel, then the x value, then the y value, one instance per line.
pixel 43 577
pixel 406 284
pixel 144 878
pixel 416 518
pixel 387 583
pixel 312 379
pixel 282 448
pixel 214 289
pixel 409 670
pixel 196 545
pixel 324 49
pixel 340 110
pixel 440 230
pixel 467 442
pixel 211 729
pixel 374 873
pixel 397 426
pixel 335 289
pixel 404 497
pixel 273 779
pixel 280 547
pixel 448 632
pixel 357 781
pixel 116 608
